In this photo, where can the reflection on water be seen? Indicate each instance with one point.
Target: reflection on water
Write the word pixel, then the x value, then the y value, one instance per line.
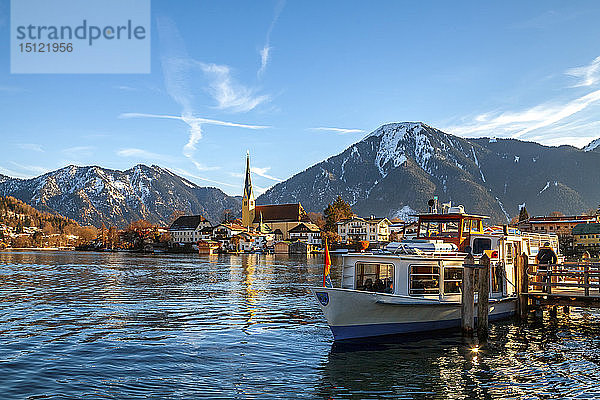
pixel 180 326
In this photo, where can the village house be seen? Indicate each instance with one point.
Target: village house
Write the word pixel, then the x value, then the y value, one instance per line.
pixel 586 237
pixel 374 230
pixel 187 228
pixel 227 230
pixel 254 241
pixel 306 232
pixel 206 233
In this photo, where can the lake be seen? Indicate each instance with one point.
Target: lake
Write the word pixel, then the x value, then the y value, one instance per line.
pixel 118 325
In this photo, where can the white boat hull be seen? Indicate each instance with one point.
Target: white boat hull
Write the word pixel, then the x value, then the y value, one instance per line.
pixel 353 314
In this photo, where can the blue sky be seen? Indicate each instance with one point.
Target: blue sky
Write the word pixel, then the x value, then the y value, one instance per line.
pixel 295 82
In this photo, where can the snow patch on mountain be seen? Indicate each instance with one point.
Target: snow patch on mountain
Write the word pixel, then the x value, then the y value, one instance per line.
pixel 406 213
pixel 592 145
pixel 503 210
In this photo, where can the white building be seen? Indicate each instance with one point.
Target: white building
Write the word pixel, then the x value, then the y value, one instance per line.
pixel 373 230
pixel 306 232
pixel 187 229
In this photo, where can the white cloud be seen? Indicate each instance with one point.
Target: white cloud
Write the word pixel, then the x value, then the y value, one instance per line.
pixel 31 168
pixel 77 152
pixel 263 172
pixel 230 95
pixel 31 147
pixel 588 75
pixel 181 74
pixel 339 131
pixel 195 125
pixel 259 190
pixel 201 178
pixel 266 50
pixel 126 88
pixel 195 130
pixel 142 154
pixel 264 59
pixel 14 174
pixel 520 124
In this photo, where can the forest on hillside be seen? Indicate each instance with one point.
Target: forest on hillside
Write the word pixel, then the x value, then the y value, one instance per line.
pixel 23 226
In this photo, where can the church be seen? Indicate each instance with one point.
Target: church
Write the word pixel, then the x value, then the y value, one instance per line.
pixel 279 218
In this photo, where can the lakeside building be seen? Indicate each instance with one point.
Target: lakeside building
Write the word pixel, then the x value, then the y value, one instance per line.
pixel 586 237
pixel 561 225
pixel 280 218
pixel 374 230
pixel 187 228
pixel 306 232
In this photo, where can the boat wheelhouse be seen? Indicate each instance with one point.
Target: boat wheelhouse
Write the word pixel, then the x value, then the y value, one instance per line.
pixel 415 285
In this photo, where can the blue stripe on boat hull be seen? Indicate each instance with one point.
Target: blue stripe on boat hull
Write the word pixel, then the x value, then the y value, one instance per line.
pixel 361 331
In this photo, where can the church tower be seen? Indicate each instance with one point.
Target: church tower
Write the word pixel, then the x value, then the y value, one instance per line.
pixel 248 197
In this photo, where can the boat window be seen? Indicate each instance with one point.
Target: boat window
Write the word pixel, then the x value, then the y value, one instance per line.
pixel 439 228
pixel 509 253
pixel 453 279
pixel 374 277
pixel 466 225
pixel 476 226
pixel 424 279
pixel 481 244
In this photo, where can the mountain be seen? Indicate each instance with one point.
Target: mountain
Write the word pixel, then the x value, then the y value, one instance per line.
pixel 95 195
pixel 4 178
pixel 394 171
pixel 594 145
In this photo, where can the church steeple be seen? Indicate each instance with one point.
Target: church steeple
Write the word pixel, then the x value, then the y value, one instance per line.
pixel 248 197
pixel 248 182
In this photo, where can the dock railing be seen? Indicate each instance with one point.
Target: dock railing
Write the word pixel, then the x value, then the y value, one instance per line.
pixel 569 278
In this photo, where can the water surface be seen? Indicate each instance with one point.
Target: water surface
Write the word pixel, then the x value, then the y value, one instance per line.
pixel 117 325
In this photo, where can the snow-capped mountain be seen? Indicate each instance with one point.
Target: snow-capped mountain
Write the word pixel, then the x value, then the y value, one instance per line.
pixel 4 178
pixel 594 145
pixel 95 195
pixel 394 171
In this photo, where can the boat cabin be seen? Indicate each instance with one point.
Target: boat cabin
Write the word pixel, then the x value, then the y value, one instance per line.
pixel 454 227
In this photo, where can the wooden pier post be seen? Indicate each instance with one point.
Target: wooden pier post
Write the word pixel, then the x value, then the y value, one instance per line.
pixel 586 279
pixel 467 308
pixel 523 284
pixel 483 306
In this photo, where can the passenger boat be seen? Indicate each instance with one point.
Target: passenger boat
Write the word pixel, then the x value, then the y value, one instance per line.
pixel 415 285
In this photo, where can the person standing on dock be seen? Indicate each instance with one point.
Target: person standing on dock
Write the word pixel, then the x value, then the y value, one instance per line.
pixel 545 257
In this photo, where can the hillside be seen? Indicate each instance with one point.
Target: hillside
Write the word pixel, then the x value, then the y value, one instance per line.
pixel 23 226
pixel 95 195
pixel 394 171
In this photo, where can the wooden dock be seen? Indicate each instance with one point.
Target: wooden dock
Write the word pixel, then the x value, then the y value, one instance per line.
pixel 537 286
pixel 567 284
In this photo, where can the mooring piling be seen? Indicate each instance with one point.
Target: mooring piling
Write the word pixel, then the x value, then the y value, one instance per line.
pixel 483 306
pixel 522 284
pixel 468 296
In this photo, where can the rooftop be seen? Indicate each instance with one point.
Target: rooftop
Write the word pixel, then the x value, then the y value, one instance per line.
pixel 586 229
pixel 187 222
pixel 280 212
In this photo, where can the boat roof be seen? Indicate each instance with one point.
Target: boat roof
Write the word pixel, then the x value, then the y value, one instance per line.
pixel 450 216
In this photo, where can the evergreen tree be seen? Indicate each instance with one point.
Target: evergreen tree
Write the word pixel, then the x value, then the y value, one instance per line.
pixel 335 212
pixel 523 214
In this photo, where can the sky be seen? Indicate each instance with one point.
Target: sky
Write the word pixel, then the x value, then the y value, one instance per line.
pixel 295 82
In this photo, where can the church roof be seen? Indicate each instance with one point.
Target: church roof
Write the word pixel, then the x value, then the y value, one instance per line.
pixel 280 213
pixel 248 181
pixel 187 222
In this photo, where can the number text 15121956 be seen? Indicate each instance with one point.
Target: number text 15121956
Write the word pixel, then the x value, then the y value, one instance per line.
pixel 46 47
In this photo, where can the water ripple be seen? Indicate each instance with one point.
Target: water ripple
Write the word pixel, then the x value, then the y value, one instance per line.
pixel 112 325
